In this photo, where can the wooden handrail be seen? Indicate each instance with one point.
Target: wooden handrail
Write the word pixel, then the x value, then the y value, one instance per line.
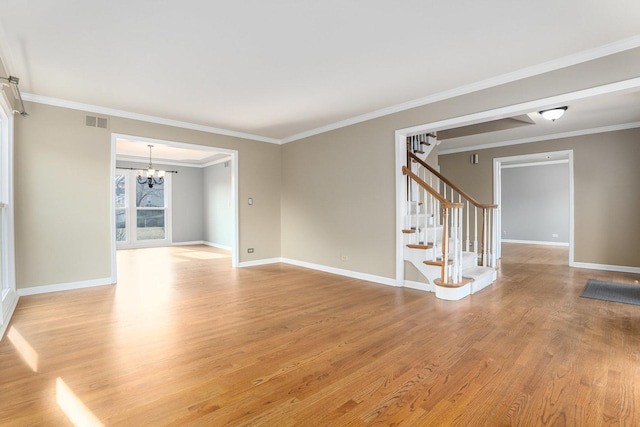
pixel 445 203
pixel 450 184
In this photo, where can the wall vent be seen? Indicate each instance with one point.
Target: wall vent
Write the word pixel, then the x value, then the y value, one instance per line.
pixel 96 122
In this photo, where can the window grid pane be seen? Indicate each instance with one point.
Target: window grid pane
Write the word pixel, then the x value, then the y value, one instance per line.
pixel 150 224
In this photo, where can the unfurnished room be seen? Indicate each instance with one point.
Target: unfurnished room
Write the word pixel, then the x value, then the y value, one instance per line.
pixel 286 213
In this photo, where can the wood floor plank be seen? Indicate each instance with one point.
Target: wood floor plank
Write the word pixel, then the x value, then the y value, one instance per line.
pixel 184 339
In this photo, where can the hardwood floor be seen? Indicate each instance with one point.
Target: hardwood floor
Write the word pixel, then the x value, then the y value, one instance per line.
pixel 183 339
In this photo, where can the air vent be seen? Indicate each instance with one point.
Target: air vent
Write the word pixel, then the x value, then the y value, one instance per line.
pixel 96 122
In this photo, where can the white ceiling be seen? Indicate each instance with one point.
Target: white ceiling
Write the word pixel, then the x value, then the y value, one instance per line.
pixel 280 68
pixel 166 153
pixel 589 115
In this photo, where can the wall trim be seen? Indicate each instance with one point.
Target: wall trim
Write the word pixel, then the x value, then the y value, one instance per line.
pixel 545 67
pixel 57 102
pixel 341 272
pixel 259 262
pixel 190 243
pixel 332 270
pixel 535 242
pixel 216 245
pixel 545 163
pixel 145 160
pixel 603 129
pixel 577 58
pixel 605 267
pixel 45 289
pixel 420 286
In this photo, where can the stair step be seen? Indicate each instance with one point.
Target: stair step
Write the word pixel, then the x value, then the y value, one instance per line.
pixel 482 277
pixel 438 263
pixel 428 246
pixel 409 231
pixel 449 284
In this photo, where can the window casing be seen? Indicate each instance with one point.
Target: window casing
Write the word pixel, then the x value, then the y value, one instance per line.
pixel 142 214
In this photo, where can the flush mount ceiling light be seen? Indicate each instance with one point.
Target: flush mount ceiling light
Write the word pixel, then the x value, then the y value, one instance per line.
pixel 553 113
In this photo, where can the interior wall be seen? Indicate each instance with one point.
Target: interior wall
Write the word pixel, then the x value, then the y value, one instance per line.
pixel 606 199
pixel 187 207
pixel 62 206
pixel 218 220
pixel 535 203
pixel 338 192
pixel 316 199
pixel 63 187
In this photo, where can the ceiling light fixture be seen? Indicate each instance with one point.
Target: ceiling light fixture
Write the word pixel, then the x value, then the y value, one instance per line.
pixel 553 113
pixel 153 177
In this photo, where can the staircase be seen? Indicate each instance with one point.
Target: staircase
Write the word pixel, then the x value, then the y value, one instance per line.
pixel 448 236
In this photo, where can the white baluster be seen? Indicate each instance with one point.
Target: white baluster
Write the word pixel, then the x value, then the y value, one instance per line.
pixel 475 232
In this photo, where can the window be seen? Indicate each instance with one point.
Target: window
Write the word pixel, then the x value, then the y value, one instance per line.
pixel 142 213
pixel 8 294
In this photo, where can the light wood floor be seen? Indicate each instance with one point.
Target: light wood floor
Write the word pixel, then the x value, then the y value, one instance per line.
pixel 185 339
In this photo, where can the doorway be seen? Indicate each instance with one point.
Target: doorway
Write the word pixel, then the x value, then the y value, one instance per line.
pixel 546 207
pixel 177 213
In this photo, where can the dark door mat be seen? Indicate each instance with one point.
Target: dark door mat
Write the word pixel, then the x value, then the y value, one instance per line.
pixel 610 291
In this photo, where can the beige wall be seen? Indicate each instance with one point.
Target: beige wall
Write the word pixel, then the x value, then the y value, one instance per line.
pixel 606 196
pixel 62 193
pixel 338 191
pixel 316 199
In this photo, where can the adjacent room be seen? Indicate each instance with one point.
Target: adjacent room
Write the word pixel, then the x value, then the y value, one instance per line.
pixel 319 214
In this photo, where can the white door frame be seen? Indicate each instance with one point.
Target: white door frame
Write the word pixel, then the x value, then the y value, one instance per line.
pixel 233 154
pixel 8 293
pixel 484 116
pixel 536 159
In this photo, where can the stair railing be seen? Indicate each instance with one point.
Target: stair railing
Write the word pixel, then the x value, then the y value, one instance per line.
pixel 451 217
pixel 478 223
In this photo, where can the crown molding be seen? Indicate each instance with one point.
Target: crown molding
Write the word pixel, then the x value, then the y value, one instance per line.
pixel 57 102
pixel 577 58
pixel 612 128
pixel 145 160
pixel 545 67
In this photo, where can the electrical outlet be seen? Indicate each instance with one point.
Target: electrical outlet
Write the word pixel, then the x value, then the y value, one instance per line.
pixel 250 250
pixel 344 258
pixel 554 235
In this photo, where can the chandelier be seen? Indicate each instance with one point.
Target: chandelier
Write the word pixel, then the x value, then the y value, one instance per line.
pixel 151 176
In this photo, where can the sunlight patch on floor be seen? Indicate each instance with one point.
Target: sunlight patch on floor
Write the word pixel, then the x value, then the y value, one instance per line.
pixel 204 255
pixel 28 354
pixel 72 406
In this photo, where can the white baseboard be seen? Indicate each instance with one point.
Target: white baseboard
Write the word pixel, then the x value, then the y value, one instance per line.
pixel 259 262
pixel 194 242
pixel 215 245
pixel 535 242
pixel 64 287
pixel 341 272
pixel 421 286
pixel 605 267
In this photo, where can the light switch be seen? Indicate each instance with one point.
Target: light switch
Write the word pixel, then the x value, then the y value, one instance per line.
pixel 250 201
